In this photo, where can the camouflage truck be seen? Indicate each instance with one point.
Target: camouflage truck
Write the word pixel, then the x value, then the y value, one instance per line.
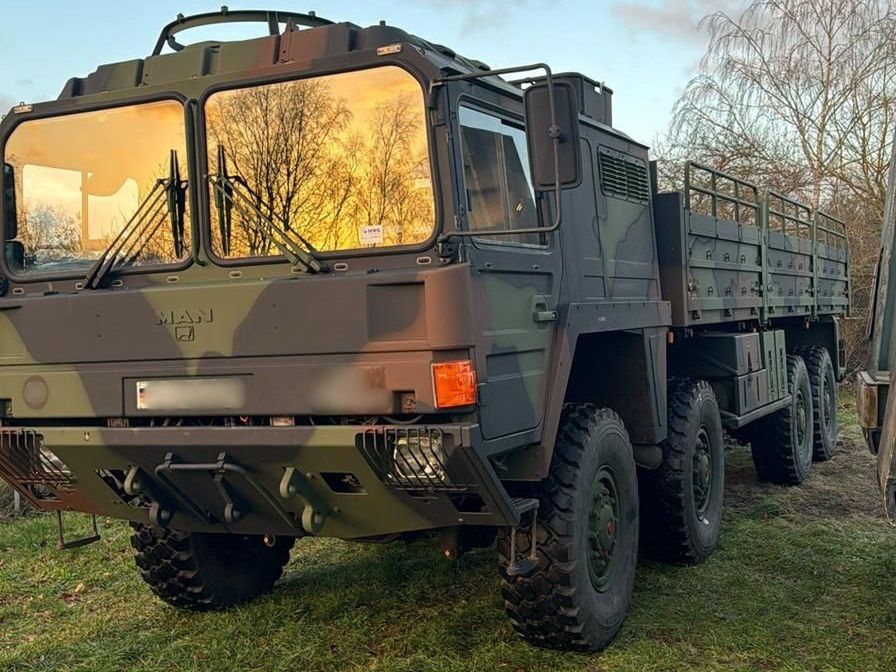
pixel 344 282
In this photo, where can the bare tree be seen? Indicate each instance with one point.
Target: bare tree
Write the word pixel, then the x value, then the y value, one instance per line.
pixel 795 90
pixel 797 95
pixel 48 234
pixel 278 139
pixel 318 170
pixel 387 193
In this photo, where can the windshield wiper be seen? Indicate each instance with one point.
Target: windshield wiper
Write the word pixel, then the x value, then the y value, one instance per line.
pixel 134 236
pixel 232 191
pixel 176 199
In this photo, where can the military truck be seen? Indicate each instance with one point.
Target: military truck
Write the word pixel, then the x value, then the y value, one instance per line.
pixel 876 408
pixel 342 281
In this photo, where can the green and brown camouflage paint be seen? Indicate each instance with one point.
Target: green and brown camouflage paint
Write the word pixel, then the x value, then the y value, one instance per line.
pixel 580 317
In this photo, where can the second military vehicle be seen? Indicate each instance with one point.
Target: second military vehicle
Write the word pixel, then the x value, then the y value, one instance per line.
pixel 876 407
pixel 343 281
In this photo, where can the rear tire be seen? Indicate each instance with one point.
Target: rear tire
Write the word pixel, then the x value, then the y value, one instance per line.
pixel 587 538
pixel 205 572
pixel 824 401
pixel 681 500
pixel 782 441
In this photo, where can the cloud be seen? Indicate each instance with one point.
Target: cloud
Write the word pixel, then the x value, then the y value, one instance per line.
pixel 674 20
pixel 25 81
pixel 6 104
pixel 487 14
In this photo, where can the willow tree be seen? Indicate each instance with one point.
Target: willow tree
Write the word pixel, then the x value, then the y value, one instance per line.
pixel 798 95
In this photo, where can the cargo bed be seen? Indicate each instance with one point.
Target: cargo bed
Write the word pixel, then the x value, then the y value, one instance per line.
pixel 729 253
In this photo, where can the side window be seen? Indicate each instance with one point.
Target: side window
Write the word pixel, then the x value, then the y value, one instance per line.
pixel 496 173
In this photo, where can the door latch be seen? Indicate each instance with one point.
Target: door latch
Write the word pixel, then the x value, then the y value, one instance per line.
pixel 541 312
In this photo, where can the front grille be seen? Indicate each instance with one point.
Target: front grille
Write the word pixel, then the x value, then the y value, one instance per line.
pixel 27 464
pixel 415 459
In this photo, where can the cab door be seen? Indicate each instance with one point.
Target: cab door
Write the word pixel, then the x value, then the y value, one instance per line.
pixel 516 277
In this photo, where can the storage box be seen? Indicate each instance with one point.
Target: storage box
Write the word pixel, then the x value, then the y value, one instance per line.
pixel 721 355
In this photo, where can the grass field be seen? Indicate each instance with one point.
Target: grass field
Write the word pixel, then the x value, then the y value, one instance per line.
pixel 803 579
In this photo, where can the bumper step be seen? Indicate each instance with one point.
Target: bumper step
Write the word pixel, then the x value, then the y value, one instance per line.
pixel 63 545
pixel 522 566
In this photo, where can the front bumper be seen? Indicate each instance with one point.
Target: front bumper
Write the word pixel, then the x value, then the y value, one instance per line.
pixel 336 481
pixel 871 402
pixel 878 422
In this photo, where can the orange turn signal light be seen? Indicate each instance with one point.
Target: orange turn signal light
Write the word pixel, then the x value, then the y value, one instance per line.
pixel 454 383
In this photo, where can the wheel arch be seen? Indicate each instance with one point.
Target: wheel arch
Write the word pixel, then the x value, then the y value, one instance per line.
pixel 623 370
pixel 825 333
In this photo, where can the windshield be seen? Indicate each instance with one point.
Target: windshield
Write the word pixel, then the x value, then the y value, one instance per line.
pixel 81 178
pixel 340 160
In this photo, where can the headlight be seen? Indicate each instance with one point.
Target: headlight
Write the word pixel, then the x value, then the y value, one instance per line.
pixel 419 459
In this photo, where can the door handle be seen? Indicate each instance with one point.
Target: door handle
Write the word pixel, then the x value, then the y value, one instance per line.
pixel 541 312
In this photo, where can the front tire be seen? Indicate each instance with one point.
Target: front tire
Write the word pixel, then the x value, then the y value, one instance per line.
pixel 587 538
pixel 681 511
pixel 205 572
pixel 782 442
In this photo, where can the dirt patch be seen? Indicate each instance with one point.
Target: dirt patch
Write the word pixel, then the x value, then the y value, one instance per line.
pixel 843 487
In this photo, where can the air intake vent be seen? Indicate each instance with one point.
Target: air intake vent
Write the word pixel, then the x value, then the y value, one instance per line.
pixel 623 176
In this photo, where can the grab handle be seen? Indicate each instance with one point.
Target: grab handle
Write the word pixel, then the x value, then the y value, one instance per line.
pixel 272 18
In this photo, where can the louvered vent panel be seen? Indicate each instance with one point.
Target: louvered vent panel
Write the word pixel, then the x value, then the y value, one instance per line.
pixel 624 178
pixel 638 185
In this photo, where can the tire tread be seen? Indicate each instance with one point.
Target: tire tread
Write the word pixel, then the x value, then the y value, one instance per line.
pixel 771 441
pixel 543 605
pixel 169 563
pixel 814 357
pixel 664 525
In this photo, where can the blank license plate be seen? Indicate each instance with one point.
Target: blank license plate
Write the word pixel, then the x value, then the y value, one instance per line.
pixel 191 394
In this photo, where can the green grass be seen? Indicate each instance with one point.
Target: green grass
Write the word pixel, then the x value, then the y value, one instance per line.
pixel 803 579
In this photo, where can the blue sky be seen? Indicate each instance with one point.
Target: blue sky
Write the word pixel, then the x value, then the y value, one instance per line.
pixel 646 50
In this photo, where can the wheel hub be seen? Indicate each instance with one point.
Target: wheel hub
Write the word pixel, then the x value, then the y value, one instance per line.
pixel 801 419
pixel 603 529
pixel 702 472
pixel 828 404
